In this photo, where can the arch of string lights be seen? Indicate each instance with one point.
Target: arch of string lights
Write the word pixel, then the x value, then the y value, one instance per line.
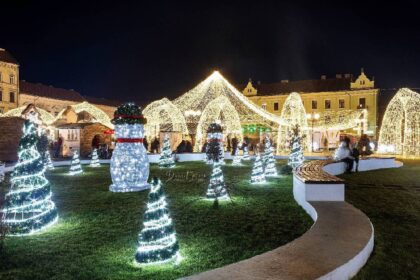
pixel 47 118
pixel 163 115
pixel 341 120
pixel 400 129
pixel 293 113
pixel 219 110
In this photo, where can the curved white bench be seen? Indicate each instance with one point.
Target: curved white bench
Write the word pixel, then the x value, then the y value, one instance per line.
pixel 336 247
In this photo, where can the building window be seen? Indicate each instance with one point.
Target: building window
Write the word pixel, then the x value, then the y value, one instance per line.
pixel 362 103
pixel 341 103
pixel 12 97
pixel 1 95
pixel 264 106
pixel 12 79
pixel 314 104
pixel 0 77
pixel 327 104
pixel 276 106
pixel 2 110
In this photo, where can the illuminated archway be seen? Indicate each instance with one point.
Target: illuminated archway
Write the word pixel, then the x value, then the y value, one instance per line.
pixel 292 113
pixel 400 129
pixel 44 116
pixel 163 115
pixel 222 111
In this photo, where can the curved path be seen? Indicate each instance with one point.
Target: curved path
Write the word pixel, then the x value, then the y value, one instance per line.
pixel 336 247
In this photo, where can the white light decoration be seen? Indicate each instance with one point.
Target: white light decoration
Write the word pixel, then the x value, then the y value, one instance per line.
pixel 163 115
pixel 75 167
pixel 293 113
pixel 48 162
pixel 99 115
pixel 257 174
pixel 216 189
pixel 246 153
pixel 400 129
pixel 215 141
pixel 268 159
pixel 129 162
pixel 166 159
pixel 28 205
pixel 94 162
pixel 157 240
pixel 237 158
pixel 296 153
pixel 44 116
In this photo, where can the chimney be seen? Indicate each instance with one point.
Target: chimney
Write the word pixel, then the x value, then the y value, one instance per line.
pixel 347 76
pixel 284 81
pixel 338 76
pixel 323 77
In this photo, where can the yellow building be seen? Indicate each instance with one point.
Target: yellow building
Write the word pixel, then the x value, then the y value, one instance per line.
pixel 323 96
pixel 9 81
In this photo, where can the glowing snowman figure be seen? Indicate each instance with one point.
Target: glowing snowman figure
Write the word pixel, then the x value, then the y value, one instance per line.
pixel 129 162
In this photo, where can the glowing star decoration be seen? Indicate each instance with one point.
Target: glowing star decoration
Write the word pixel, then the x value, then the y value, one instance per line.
pixel 237 158
pixel 129 162
pixel 217 99
pixel 48 162
pixel 28 205
pixel 216 189
pixel 400 129
pixel 296 154
pixel 75 167
pixel 94 162
pixel 163 115
pixel 166 159
pixel 268 159
pixel 157 240
pixel 257 174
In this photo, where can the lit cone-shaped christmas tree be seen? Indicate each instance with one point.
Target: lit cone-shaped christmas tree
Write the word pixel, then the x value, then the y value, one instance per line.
pixel 166 159
pixel 76 167
pixel 237 158
pixel 28 205
pixel 48 162
pixel 94 162
pixel 217 188
pixel 296 154
pixel 157 240
pixel 246 153
pixel 257 174
pixel 269 160
pixel 214 149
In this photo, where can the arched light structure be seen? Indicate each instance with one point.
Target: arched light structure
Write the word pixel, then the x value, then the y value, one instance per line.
pixel 400 129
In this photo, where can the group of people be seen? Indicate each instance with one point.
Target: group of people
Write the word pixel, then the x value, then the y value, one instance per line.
pixel 350 153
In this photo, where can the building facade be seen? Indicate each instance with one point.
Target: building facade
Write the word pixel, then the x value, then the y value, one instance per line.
pixel 322 96
pixel 9 81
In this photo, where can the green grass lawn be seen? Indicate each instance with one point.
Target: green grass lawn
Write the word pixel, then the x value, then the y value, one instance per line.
pixel 391 199
pixel 97 232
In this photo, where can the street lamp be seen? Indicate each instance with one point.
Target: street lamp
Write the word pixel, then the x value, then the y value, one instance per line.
pixel 312 117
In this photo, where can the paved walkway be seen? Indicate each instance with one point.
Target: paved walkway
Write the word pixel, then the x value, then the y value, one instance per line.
pixel 331 242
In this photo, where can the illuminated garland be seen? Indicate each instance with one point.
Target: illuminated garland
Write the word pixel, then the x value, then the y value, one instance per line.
pixel 296 153
pixel 400 129
pixel 48 162
pixel 216 189
pixel 166 159
pixel 128 113
pixel 268 159
pixel 157 240
pixel 257 173
pixel 94 162
pixel 75 167
pixel 129 162
pixel 28 204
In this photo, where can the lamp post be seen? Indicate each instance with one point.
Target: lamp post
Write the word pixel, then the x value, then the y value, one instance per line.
pixel 312 117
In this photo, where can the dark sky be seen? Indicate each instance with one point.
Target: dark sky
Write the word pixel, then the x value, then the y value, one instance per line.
pixel 145 51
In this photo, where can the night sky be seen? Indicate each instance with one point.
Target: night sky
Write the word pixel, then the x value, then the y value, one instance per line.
pixel 145 51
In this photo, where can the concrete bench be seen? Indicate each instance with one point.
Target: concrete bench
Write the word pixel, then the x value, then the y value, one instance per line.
pixel 337 245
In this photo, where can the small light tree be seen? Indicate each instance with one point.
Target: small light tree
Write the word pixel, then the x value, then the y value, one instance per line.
pixel 246 152
pixel 28 205
pixel 166 159
pixel 48 162
pixel 157 240
pixel 76 167
pixel 216 189
pixel 214 148
pixel 296 154
pixel 269 160
pixel 257 174
pixel 237 158
pixel 94 162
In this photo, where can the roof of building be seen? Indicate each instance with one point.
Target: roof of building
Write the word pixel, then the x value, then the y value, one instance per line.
pixel 5 56
pixel 50 91
pixel 287 87
pixel 103 101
